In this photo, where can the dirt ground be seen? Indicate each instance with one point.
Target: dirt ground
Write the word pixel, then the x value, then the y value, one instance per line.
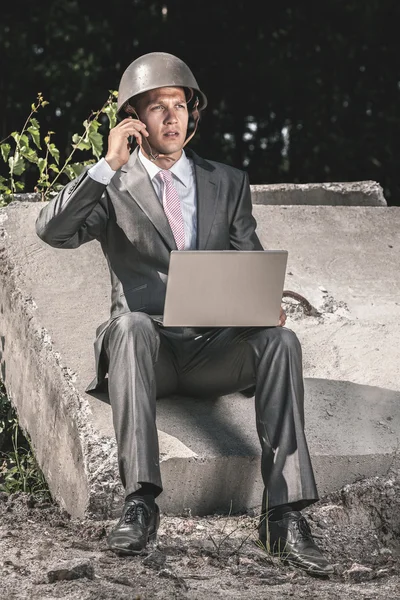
pixel 46 554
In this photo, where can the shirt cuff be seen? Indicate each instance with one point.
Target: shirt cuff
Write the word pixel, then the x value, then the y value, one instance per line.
pixel 101 172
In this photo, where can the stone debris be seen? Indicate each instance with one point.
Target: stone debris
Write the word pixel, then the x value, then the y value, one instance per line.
pixel 358 573
pixel 70 570
pixel 155 559
pixel 357 528
pixel 168 574
pixel 331 305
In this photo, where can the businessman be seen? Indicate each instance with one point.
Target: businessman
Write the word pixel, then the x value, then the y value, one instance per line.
pixel 140 203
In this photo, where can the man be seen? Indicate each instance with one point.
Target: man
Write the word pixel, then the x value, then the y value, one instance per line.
pixel 141 205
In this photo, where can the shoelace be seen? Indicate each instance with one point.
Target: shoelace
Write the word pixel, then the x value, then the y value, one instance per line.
pixel 134 511
pixel 303 528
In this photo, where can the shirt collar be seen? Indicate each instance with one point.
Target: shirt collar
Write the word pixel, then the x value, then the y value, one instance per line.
pixel 181 169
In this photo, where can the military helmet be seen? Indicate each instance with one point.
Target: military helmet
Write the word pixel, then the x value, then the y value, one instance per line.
pixel 154 70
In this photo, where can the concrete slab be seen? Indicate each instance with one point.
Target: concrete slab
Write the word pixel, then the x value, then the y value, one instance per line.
pixel 344 260
pixel 348 193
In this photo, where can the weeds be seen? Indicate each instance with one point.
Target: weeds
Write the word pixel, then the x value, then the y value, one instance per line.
pixel 19 471
pixel 275 552
pixel 225 538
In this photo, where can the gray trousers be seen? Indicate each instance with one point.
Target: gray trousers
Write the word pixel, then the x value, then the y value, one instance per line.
pixel 147 361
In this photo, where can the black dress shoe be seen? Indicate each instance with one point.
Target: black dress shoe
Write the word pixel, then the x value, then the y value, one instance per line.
pixel 291 540
pixel 138 525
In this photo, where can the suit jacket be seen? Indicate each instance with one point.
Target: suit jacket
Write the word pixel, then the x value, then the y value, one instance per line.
pixel 128 220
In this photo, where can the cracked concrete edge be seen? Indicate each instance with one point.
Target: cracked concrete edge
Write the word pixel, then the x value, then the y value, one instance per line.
pixel 78 466
pixel 336 193
pixel 352 193
pixel 328 469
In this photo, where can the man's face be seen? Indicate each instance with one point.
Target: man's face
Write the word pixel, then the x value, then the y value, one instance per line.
pixel 165 113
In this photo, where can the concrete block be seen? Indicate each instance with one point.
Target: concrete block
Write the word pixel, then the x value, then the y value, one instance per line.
pixel 349 193
pixel 344 260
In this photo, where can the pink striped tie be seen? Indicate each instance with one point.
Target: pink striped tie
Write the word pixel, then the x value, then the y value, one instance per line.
pixel 172 208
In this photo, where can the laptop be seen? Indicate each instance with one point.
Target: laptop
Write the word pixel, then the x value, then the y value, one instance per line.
pixel 224 288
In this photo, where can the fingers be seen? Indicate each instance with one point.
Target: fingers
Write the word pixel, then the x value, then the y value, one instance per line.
pixel 131 127
pixel 282 318
pixel 128 128
pixel 120 139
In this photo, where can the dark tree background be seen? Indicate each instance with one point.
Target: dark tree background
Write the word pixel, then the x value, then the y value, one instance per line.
pixel 298 91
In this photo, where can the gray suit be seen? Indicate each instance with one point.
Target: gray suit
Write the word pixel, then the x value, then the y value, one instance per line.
pixel 143 360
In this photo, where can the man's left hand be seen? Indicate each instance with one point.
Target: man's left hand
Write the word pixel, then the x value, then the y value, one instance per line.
pixel 282 318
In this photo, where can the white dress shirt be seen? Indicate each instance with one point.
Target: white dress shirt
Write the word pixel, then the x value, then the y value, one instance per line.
pixel 184 180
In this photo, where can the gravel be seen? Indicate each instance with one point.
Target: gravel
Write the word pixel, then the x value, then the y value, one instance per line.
pixel 46 554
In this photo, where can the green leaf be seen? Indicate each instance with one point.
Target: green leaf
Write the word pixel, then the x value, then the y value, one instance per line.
pixel 29 154
pixel 54 168
pixel 16 136
pixel 20 185
pixel 82 145
pixel 16 164
pixel 81 141
pixel 93 125
pixel 35 132
pixel 111 112
pixel 96 143
pixel 54 152
pixel 42 165
pixel 73 170
pixel 57 187
pixel 44 183
pixel 5 151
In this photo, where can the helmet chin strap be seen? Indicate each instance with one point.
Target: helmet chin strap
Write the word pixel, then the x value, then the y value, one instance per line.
pixel 145 146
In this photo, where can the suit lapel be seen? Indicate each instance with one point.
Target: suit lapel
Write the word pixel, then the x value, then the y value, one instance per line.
pixel 141 189
pixel 207 187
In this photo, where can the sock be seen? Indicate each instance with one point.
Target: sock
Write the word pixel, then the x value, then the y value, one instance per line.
pixel 276 513
pixel 146 491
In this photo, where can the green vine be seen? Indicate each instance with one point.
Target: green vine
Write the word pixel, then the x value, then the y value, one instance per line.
pixel 27 146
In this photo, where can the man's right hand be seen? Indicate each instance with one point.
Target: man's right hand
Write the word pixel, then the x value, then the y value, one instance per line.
pixel 118 145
